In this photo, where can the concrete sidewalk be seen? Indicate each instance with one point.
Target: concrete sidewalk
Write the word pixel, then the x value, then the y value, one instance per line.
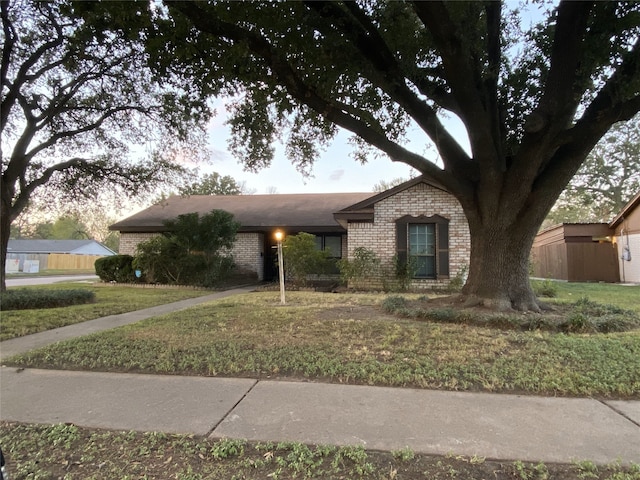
pixel 508 427
pixel 19 345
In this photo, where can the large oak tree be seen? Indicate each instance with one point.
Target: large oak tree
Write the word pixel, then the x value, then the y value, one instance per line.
pixel 534 102
pixel 76 96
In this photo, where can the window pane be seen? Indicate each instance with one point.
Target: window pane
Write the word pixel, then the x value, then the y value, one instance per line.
pixel 422 248
pixel 334 246
pixel 430 266
pixel 319 242
pixel 421 266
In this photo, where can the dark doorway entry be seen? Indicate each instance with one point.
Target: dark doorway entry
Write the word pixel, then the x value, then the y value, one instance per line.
pixel 270 258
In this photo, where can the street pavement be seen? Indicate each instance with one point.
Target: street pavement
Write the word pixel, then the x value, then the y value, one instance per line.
pixel 496 426
pixel 48 279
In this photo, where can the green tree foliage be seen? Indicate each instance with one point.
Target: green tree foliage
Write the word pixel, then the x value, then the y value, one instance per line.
pixel 534 100
pixel 76 95
pixel 303 259
pixel 213 184
pixel 193 251
pixel 607 180
pixel 65 227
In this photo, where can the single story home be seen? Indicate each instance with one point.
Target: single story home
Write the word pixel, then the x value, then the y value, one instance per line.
pixel 34 255
pixel 591 252
pixel 418 219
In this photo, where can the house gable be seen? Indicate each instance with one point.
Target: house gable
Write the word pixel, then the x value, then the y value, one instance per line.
pixel 373 224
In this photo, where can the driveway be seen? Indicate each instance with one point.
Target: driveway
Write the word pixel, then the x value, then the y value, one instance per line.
pixel 22 282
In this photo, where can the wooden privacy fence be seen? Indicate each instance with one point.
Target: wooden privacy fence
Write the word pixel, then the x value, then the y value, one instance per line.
pixel 65 261
pixel 577 262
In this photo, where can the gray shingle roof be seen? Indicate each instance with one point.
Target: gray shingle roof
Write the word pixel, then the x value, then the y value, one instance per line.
pixel 312 211
pixel 83 247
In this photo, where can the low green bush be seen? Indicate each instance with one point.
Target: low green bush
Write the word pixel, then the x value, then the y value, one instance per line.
pixel 588 316
pixel 25 299
pixel 582 316
pixel 393 303
pixel 116 268
pixel 358 271
pixel 303 259
pixel 545 288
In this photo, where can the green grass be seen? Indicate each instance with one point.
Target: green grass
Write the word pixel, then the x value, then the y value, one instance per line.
pixel 75 453
pixel 622 296
pixel 110 300
pixel 347 338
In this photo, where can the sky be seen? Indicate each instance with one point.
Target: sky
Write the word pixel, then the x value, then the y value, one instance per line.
pixel 334 171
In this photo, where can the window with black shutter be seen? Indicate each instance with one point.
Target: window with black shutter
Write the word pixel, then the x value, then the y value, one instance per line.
pixel 425 242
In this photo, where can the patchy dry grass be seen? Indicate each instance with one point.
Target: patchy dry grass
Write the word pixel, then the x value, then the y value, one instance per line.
pixel 70 452
pixel 348 339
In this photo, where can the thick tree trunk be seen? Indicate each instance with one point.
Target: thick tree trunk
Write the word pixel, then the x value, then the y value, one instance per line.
pixel 499 264
pixel 5 232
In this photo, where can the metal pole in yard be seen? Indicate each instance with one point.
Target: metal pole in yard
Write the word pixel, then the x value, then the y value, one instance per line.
pixel 279 237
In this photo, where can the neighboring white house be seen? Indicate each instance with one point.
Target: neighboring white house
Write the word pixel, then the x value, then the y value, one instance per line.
pixel 592 252
pixel 35 255
pixel 626 228
pixel 417 219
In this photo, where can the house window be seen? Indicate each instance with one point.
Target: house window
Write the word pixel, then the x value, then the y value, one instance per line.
pixel 331 243
pixel 422 249
pixel 425 242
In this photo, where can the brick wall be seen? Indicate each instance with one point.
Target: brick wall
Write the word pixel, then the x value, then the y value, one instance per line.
pixel 421 199
pixel 248 253
pixel 129 242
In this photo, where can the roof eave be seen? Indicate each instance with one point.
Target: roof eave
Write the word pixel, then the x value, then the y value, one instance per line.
pixel 344 217
pixel 632 204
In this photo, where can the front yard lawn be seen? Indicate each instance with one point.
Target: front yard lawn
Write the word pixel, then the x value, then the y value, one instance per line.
pixel 110 300
pixel 347 338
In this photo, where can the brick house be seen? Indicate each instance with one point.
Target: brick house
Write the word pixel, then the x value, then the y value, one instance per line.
pixel 418 219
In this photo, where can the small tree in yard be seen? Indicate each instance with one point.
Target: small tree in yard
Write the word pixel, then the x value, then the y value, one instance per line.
pixel 193 251
pixel 302 258
pixel 361 270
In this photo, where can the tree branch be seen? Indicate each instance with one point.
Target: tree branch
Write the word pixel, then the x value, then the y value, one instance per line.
pixel 9 41
pixel 388 75
pixel 463 75
pixel 22 75
pixel 559 100
pixel 493 14
pixel 55 138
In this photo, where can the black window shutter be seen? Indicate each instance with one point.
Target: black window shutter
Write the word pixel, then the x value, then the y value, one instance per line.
pixel 401 242
pixel 443 250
